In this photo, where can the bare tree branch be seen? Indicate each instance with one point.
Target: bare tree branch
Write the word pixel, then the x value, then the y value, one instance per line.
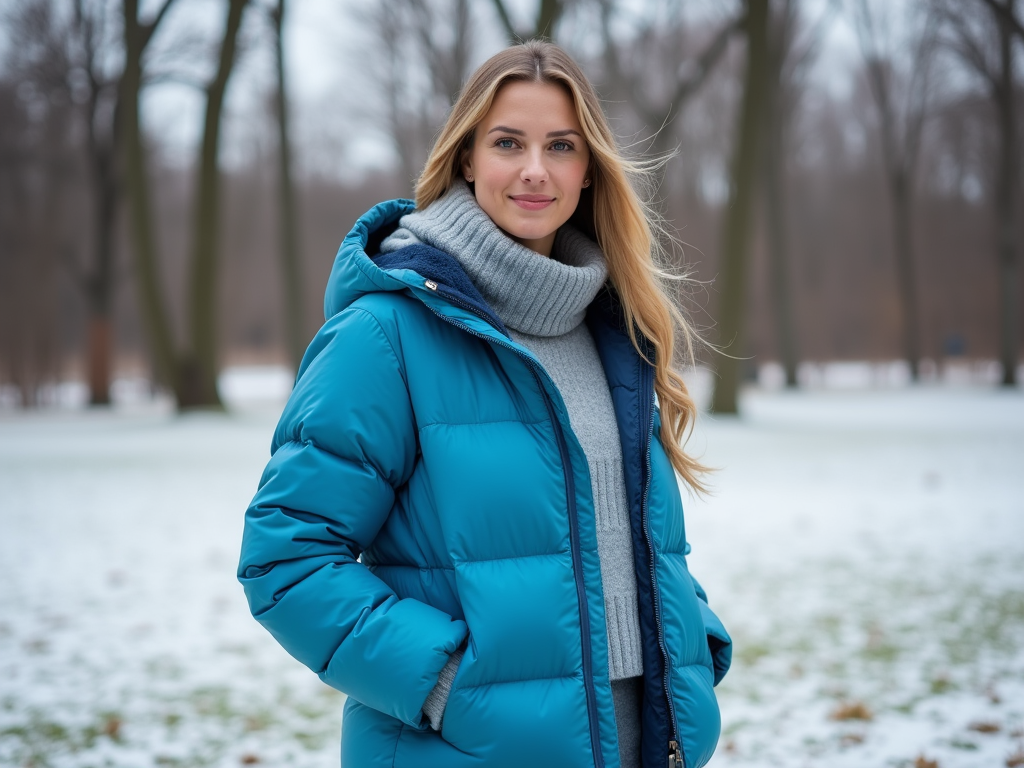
pixel 506 20
pixel 150 27
pixel 1006 13
pixel 815 37
pixel 174 78
pixel 900 130
pixel 549 13
pixel 705 63
pixel 968 47
pixel 547 17
pixel 692 74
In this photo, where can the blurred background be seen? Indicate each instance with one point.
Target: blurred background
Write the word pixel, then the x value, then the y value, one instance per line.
pixel 844 189
pixel 176 177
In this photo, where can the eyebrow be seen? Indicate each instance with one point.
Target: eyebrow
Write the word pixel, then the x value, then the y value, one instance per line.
pixel 517 132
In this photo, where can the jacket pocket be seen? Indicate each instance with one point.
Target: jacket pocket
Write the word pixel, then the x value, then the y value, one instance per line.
pixel 516 723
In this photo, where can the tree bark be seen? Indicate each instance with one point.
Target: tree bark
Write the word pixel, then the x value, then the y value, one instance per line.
pixel 774 188
pixel 902 211
pixel 151 305
pixel 291 261
pixel 198 375
pixel 778 252
pixel 737 221
pixel 100 283
pixel 90 22
pixel 1007 204
pixel 101 343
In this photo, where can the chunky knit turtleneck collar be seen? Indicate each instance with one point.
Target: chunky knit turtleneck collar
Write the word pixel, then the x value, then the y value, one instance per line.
pixel 531 293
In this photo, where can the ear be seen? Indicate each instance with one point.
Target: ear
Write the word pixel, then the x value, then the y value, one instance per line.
pixel 467 169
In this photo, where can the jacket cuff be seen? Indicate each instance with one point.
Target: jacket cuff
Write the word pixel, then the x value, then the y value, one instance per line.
pixel 437 700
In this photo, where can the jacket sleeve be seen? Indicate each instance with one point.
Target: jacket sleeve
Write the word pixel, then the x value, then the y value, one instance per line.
pixel 718 638
pixel 345 442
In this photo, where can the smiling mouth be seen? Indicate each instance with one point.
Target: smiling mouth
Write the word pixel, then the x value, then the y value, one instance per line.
pixel 532 202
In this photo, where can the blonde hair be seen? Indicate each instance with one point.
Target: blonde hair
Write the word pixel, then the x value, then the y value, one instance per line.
pixel 610 210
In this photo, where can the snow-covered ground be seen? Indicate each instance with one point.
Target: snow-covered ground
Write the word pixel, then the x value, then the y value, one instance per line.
pixel 865 547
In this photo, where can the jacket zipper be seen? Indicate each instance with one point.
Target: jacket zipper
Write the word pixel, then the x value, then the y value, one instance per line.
pixel 675 758
pixel 570 491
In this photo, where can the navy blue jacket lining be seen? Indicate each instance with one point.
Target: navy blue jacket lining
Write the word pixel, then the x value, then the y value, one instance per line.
pixel 445 271
pixel 623 367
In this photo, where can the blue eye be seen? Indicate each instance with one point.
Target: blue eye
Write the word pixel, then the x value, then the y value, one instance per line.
pixel 505 143
pixel 562 146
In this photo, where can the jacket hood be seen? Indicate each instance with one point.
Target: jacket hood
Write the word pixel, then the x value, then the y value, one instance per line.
pixel 354 273
pixel 426 272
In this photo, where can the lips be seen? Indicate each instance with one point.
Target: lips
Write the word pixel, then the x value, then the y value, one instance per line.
pixel 532 202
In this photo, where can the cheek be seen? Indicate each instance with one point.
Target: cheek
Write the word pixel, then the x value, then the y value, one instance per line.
pixel 494 172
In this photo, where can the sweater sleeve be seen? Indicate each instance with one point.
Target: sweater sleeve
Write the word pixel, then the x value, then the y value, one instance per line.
pixel 437 700
pixel 345 442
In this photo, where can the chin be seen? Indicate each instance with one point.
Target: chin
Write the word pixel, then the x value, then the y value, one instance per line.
pixel 532 234
pixel 533 230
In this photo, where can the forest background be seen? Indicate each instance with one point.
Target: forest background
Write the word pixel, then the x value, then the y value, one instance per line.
pixel 844 184
pixel 176 176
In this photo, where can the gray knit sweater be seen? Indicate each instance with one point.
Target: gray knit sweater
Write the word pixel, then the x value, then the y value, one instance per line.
pixel 542 302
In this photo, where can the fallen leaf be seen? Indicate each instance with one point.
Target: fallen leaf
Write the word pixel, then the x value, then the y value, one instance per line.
pixel 1016 759
pixel 853 710
pixel 924 762
pixel 249 759
pixel 984 727
pixel 112 727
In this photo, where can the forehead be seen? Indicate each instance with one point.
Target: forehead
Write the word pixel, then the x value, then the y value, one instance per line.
pixel 532 106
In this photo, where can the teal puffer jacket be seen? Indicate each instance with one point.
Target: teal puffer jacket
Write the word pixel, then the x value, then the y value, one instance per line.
pixel 426 493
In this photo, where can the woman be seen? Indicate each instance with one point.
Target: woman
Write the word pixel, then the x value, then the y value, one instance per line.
pixel 471 523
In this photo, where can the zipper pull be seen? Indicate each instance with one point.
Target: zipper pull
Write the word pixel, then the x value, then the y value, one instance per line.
pixel 431 285
pixel 675 757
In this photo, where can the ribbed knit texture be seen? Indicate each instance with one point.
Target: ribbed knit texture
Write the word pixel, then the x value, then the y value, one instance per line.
pixel 529 292
pixel 573 363
pixel 433 707
pixel 543 301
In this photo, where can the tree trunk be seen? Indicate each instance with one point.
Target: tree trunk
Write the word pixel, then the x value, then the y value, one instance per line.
pixel 100 358
pixel 774 189
pixel 1007 205
pixel 198 375
pixel 100 291
pixel 737 220
pixel 901 131
pixel 143 240
pixel 778 252
pixel 291 261
pixel 902 210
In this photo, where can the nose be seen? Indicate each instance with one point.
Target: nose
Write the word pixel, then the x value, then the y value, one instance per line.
pixel 534 170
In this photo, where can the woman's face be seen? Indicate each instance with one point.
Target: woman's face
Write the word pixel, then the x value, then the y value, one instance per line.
pixel 528 162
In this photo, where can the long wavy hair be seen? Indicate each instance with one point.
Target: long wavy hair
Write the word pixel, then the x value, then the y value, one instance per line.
pixel 611 211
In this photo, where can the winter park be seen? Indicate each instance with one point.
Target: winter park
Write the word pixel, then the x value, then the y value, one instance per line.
pixel 838 205
pixel 864 547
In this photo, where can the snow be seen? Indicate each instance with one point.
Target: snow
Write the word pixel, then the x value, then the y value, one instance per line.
pixel 865 547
